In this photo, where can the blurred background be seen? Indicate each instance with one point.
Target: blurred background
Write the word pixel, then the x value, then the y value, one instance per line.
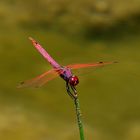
pixel 80 31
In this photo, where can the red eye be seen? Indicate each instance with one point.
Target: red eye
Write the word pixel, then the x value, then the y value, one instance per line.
pixel 73 80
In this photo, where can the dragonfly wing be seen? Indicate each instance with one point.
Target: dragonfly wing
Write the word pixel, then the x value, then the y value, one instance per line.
pixel 39 80
pixel 44 53
pixel 97 64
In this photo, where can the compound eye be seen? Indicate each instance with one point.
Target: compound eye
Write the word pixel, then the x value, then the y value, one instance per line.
pixel 74 80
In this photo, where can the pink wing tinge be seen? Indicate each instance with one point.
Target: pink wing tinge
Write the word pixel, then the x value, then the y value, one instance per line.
pixel 40 80
pixel 97 64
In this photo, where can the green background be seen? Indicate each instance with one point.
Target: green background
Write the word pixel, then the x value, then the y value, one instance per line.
pixel 79 31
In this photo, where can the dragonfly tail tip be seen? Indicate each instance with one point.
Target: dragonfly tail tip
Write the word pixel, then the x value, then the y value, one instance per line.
pixel 30 38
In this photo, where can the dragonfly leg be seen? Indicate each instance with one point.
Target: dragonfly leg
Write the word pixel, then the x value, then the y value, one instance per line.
pixel 74 91
pixel 69 92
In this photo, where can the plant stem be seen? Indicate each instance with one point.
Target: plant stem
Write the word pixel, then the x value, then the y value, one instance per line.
pixel 79 120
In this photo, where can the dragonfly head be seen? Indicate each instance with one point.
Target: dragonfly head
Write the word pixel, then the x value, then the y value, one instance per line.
pixel 73 80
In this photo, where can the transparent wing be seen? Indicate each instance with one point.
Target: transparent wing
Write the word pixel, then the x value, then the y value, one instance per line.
pixel 40 80
pixel 97 64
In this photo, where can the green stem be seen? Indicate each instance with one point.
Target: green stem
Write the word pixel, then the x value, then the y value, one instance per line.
pixel 79 120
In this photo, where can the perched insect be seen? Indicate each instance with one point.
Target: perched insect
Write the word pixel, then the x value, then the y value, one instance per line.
pixel 63 71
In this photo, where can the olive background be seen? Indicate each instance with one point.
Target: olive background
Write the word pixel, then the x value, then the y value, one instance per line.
pixel 80 31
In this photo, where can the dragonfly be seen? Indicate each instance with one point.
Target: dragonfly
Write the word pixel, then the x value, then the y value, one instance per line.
pixel 65 72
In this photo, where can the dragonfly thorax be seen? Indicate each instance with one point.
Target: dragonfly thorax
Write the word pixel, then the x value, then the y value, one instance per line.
pixel 73 80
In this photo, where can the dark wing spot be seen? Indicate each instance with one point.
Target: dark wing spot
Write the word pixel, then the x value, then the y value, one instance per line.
pixel 101 62
pixel 22 82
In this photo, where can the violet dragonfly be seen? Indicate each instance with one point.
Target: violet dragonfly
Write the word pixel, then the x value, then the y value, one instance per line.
pixel 65 72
